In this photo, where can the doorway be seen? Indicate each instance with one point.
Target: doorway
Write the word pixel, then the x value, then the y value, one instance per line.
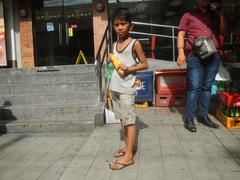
pixel 61 29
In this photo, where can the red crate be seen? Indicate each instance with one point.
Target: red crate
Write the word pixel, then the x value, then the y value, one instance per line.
pixel 167 100
pixel 169 81
pixel 229 99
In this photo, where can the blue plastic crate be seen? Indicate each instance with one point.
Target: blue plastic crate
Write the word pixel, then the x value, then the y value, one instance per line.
pixel 145 90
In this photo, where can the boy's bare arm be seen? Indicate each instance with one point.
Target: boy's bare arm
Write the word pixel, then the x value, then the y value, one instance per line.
pixel 141 56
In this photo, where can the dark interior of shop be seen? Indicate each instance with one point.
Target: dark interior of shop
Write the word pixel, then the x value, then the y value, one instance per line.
pixel 62 14
pixel 167 12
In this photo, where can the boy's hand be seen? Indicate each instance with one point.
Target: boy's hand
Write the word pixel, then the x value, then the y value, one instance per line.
pixel 123 67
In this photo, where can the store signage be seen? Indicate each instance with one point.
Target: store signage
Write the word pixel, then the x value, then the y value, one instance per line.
pixel 3 58
pixel 74 26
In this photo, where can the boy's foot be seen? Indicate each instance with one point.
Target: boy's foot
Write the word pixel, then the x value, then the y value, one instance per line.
pixel 118 165
pixel 121 152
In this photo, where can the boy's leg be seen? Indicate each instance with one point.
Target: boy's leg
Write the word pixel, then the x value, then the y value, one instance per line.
pixel 127 159
pixel 125 133
pixel 131 138
pixel 129 128
pixel 122 150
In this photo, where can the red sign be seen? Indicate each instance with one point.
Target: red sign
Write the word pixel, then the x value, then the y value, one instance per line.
pixel 74 26
pixel 3 58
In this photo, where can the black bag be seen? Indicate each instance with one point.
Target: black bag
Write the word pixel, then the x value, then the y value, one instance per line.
pixel 204 47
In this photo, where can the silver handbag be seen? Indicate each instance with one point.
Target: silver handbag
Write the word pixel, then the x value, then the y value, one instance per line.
pixel 204 47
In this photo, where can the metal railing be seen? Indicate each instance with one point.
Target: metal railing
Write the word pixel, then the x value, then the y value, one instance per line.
pixel 101 60
pixel 172 36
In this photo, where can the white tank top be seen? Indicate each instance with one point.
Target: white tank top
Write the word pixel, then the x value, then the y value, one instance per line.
pixel 124 84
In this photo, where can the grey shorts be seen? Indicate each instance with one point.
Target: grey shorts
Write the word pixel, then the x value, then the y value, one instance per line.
pixel 123 107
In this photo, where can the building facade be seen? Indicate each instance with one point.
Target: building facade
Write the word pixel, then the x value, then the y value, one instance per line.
pixel 50 32
pixel 53 32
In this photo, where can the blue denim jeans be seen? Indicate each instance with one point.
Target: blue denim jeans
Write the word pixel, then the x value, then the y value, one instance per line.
pixel 200 76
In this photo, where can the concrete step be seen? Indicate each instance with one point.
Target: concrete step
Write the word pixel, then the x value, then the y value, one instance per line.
pixel 83 98
pixel 50 99
pixel 83 86
pixel 48 112
pixel 53 126
pixel 48 78
pixel 63 69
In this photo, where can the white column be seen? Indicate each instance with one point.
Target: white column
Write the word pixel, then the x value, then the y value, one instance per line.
pixel 11 32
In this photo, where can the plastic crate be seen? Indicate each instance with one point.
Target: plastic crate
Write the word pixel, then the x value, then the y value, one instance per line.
pixel 171 81
pixel 144 92
pixel 229 99
pixel 228 122
pixel 166 100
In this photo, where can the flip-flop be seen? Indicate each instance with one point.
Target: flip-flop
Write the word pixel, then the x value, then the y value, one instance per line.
pixel 119 153
pixel 120 165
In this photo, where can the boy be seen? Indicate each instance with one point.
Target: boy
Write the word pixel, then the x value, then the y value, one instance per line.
pixel 132 59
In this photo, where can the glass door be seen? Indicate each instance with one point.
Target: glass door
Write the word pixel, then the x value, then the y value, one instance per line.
pixel 78 27
pixel 61 29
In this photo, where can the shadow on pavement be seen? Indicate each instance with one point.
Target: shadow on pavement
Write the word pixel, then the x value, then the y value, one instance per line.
pixel 6 116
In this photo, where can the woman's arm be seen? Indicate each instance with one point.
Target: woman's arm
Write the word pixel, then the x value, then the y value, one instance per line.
pixel 180 45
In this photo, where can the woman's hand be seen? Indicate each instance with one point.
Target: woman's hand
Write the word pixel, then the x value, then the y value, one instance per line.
pixel 181 60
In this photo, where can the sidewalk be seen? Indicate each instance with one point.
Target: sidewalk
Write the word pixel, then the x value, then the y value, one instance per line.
pixel 166 151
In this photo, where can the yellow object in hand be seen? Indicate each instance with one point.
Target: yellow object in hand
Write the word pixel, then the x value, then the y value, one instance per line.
pixel 116 62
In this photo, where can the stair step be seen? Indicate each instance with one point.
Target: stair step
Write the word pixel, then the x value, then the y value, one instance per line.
pixel 48 111
pixel 53 87
pixel 53 126
pixel 48 70
pixel 50 99
pixel 47 78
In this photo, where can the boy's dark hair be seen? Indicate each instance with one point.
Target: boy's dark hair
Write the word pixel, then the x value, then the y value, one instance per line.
pixel 122 13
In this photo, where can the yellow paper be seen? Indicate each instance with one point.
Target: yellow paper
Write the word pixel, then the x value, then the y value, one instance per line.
pixel 70 32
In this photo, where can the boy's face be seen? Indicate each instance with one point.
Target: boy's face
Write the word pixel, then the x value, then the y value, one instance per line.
pixel 121 27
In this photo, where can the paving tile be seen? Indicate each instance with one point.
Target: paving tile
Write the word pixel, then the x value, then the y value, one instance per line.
pixel 30 174
pixel 81 162
pixel 175 163
pixel 149 173
pixel 177 175
pixel 230 175
pixel 166 151
pixel 192 149
pixel 74 174
pixel 200 164
pixel 128 173
pixel 53 174
pixel 226 164
pixel 103 173
pixel 10 174
pixel 205 174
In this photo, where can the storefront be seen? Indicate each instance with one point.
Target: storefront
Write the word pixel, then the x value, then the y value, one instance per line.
pixel 61 29
pixel 52 32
